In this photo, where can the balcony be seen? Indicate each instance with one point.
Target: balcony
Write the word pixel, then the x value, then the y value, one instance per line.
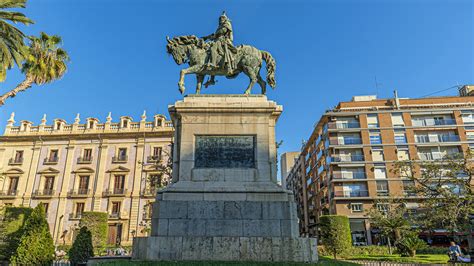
pixel 334 125
pixel 436 139
pixel 118 215
pixel 147 216
pixel 75 216
pixel 79 193
pixel 383 193
pixel 43 193
pixel 347 158
pixel 120 159
pixel 409 194
pixel 84 160
pixel 348 175
pixel 15 161
pixel 10 193
pixel 118 192
pixel 429 122
pixel 351 194
pixel 345 141
pixel 148 192
pixel 153 158
pixel 52 160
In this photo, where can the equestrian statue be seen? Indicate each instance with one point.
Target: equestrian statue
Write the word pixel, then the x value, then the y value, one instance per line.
pixel 216 55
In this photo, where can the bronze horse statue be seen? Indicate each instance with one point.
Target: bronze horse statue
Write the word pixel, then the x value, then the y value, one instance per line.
pixel 248 59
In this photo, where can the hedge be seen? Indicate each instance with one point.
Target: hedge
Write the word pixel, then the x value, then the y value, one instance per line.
pixel 81 249
pixel 335 233
pixel 11 227
pixel 96 223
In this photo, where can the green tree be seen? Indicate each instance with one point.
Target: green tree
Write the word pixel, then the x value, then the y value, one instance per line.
pixel 335 233
pixel 45 62
pixel 96 222
pixel 446 188
pixel 82 248
pixel 12 228
pixel 12 47
pixel 410 243
pixel 391 220
pixel 36 245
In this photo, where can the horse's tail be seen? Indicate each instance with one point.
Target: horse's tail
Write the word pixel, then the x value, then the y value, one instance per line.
pixel 271 65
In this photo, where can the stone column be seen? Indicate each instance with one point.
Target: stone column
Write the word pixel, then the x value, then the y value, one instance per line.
pixel 135 198
pixel 99 178
pixel 28 186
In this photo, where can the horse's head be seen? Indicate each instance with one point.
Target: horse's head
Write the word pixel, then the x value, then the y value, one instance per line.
pixel 178 47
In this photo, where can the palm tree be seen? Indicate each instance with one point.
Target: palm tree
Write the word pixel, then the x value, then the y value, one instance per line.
pixel 11 38
pixel 45 62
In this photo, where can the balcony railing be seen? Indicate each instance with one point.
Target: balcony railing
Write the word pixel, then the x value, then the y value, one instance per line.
pixel 154 158
pixel 409 194
pixel 52 160
pixel 347 158
pixel 15 161
pixel 114 192
pixel 435 139
pixel 75 216
pixel 118 215
pixel 345 141
pixel 334 125
pixel 148 192
pixel 81 192
pixel 120 159
pixel 8 193
pixel 43 193
pixel 84 160
pixel 382 193
pixel 147 215
pixel 351 194
pixel 345 175
pixel 424 123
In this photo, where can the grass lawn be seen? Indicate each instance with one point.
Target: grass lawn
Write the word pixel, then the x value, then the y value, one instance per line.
pixel 322 261
pixel 421 258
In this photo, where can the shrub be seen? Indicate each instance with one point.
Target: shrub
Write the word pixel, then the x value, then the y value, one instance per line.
pixel 96 223
pixel 368 250
pixel 432 250
pixel 410 244
pixel 81 249
pixel 11 227
pixel 36 245
pixel 335 233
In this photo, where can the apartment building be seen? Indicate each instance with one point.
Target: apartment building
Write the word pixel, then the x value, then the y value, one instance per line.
pixel 287 161
pixel 346 165
pixel 91 166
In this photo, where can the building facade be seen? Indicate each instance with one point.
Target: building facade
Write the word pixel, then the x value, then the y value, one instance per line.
pixel 346 165
pixel 72 168
pixel 287 161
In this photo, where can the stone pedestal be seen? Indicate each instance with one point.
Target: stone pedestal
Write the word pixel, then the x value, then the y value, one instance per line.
pixel 224 202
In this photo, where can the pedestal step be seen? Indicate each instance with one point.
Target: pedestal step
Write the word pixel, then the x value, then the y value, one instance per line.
pixel 226 249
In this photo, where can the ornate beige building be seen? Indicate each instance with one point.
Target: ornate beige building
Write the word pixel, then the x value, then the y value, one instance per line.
pixel 72 168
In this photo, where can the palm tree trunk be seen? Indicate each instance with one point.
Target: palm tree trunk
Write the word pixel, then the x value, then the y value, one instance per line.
pixel 23 86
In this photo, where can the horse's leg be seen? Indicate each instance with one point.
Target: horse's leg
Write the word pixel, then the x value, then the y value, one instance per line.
pixel 184 72
pixel 210 82
pixel 250 71
pixel 262 83
pixel 200 79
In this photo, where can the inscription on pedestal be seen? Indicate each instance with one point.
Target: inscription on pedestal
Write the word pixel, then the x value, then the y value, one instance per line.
pixel 225 152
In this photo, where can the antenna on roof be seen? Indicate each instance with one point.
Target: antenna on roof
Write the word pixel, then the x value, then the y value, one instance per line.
pixel 377 86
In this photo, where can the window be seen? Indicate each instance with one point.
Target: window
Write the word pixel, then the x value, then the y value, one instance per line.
pixel 58 125
pixel 408 187
pixel 383 207
pixel 149 210
pixel 357 207
pixel 79 208
pixel 87 155
pixel 18 156
pixel 380 172
pixel 470 135
pixel 157 153
pixel 400 137
pixel 471 147
pixel 125 123
pixel 403 154
pixel 116 208
pixel 119 184
pixel 377 154
pixel 122 154
pixel 83 184
pixel 375 137
pixel 46 207
pixel 397 120
pixel 382 188
pixel 53 155
pixel 13 186
pixel 91 124
pixel 467 116
pixel 372 121
pixel 48 185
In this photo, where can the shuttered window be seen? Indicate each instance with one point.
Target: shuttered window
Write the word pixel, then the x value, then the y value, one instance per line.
pixel 397 120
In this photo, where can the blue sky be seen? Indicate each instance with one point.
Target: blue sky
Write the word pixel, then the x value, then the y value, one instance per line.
pixel 326 52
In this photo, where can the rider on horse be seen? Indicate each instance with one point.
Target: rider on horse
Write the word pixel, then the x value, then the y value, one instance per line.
pixel 222 45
